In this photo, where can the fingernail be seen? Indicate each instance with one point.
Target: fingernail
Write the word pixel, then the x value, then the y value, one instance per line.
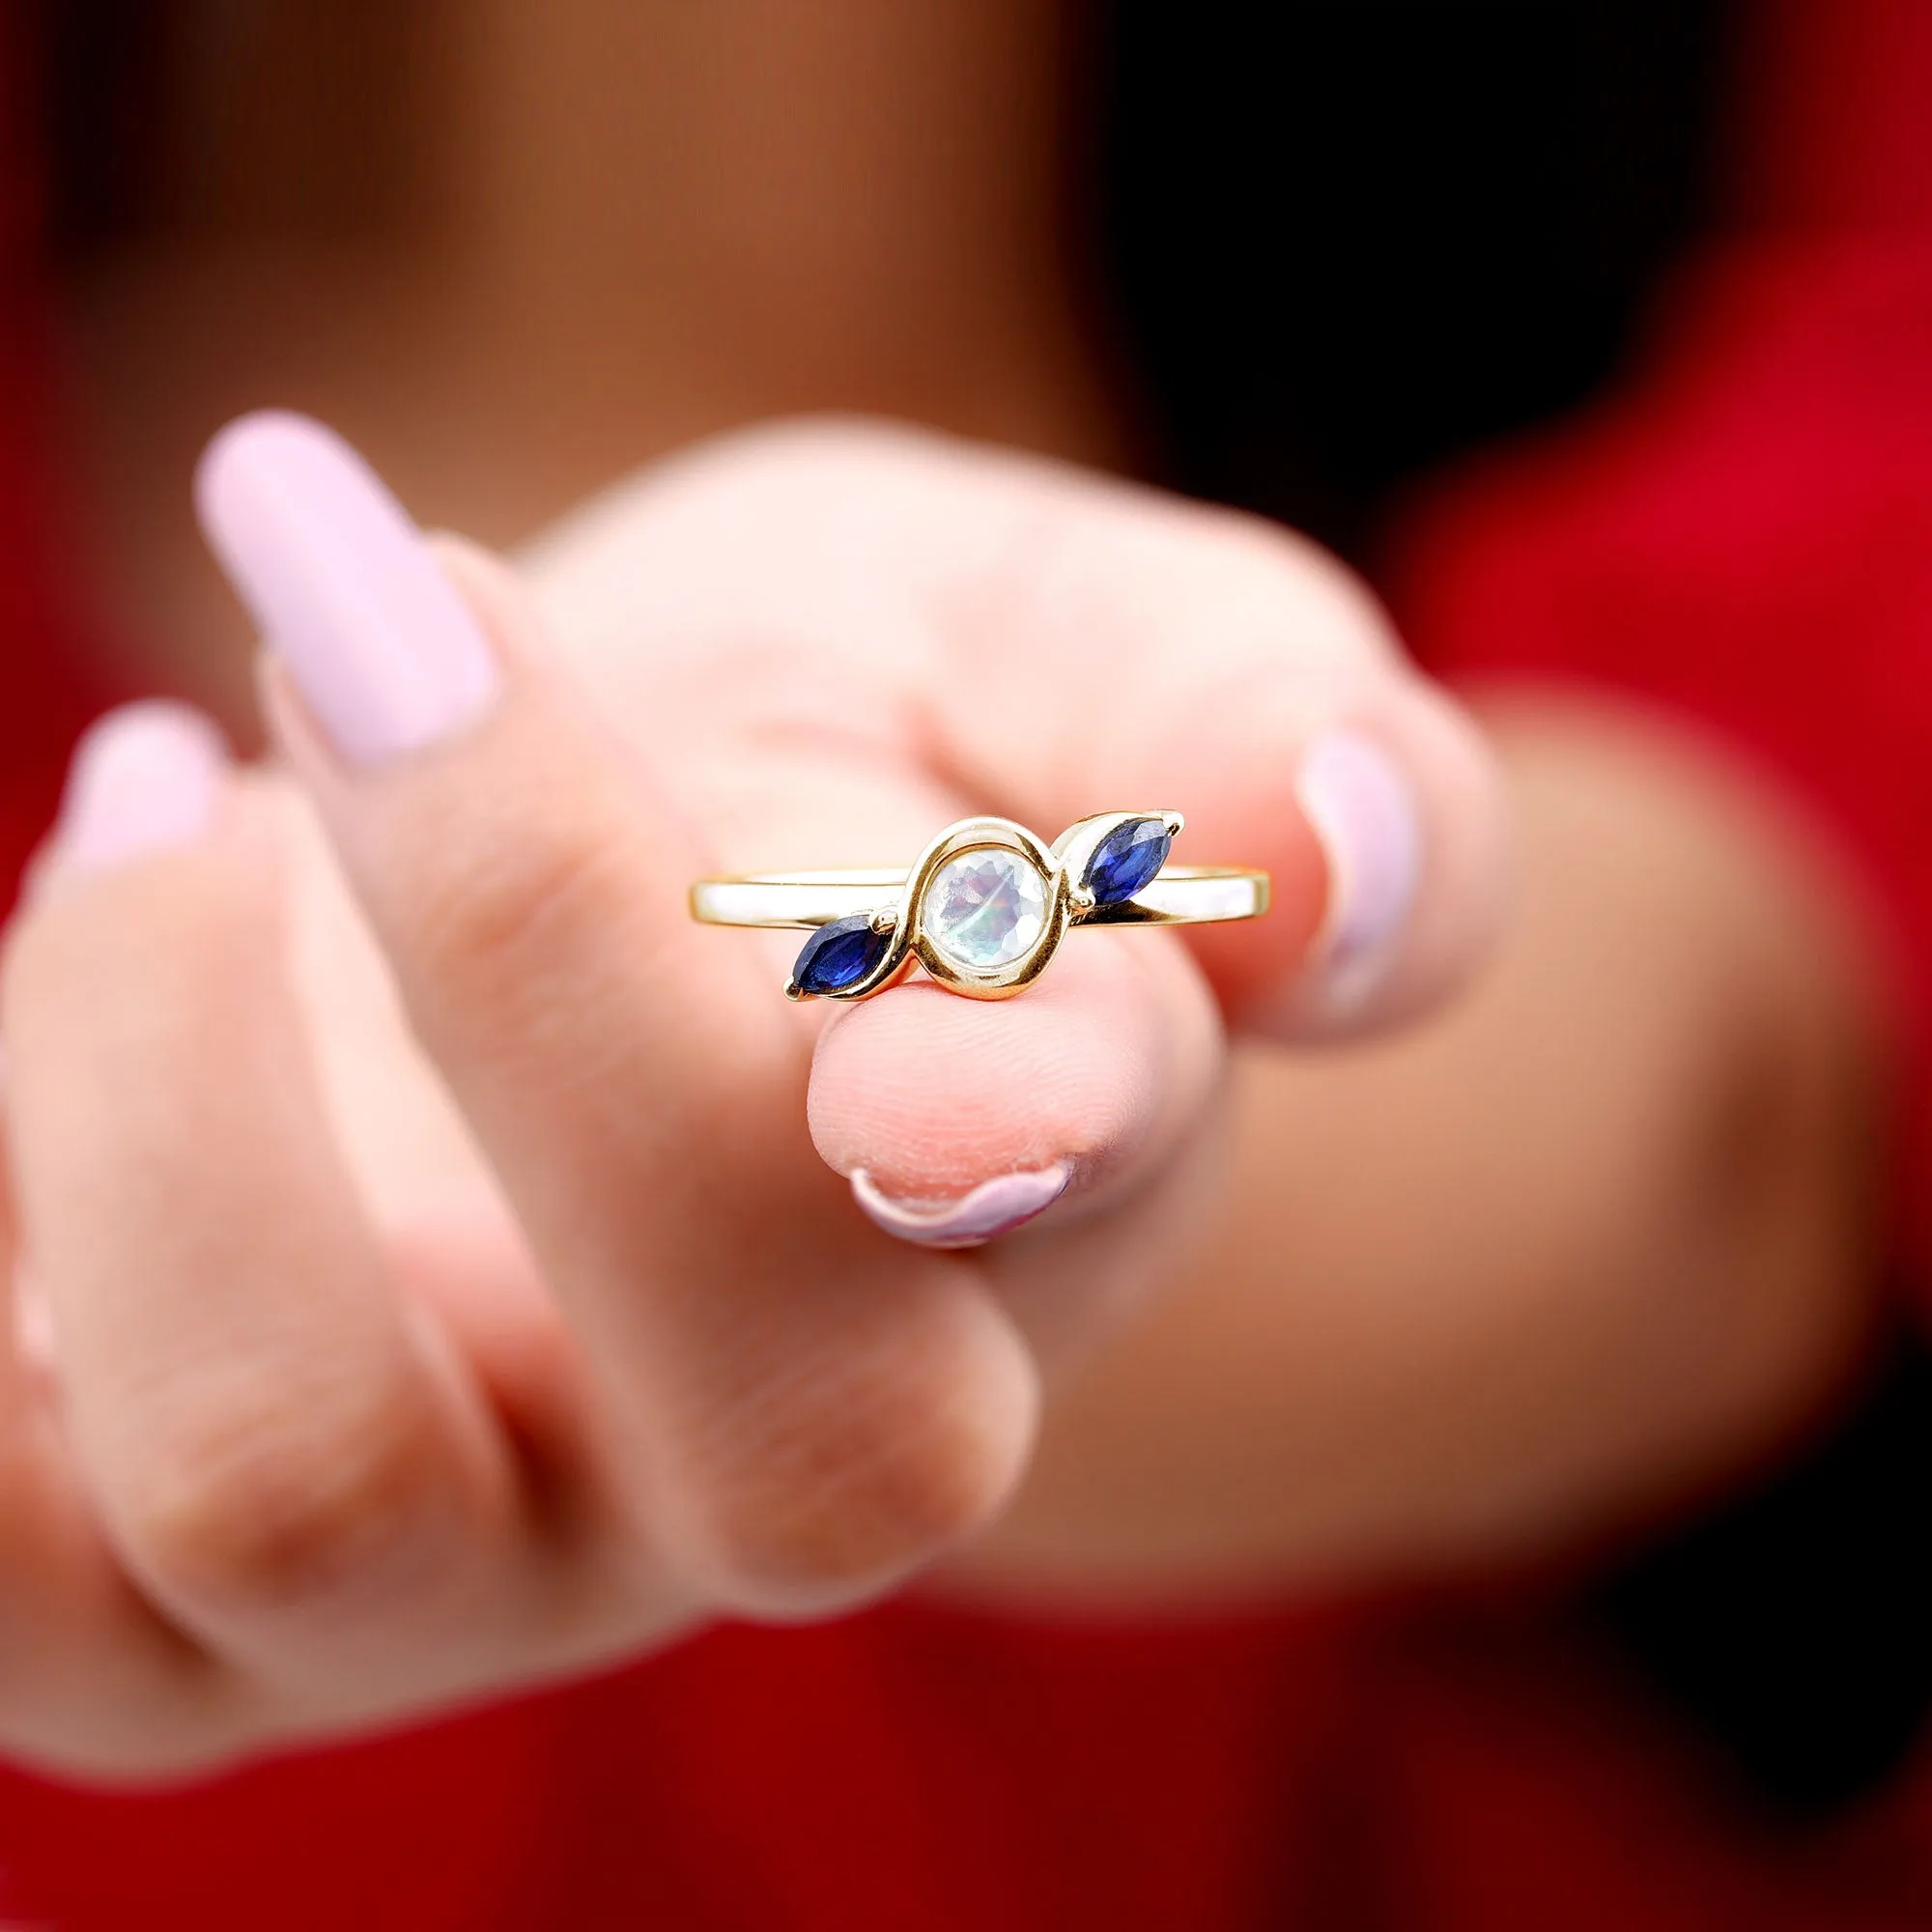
pixel 144 779
pixel 993 1208
pixel 1363 811
pixel 346 593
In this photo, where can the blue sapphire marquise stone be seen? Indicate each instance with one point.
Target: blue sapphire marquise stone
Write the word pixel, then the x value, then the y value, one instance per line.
pixel 1126 860
pixel 839 954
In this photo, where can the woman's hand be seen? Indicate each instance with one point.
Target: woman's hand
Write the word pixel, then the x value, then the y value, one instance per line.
pixel 411 1319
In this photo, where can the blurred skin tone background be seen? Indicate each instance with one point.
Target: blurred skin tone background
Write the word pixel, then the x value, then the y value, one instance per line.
pixel 1500 1289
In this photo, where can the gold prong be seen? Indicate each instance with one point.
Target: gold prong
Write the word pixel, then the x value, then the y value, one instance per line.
pixel 884 920
pixel 793 990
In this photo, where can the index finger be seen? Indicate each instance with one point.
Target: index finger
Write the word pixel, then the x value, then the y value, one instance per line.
pixel 798 1411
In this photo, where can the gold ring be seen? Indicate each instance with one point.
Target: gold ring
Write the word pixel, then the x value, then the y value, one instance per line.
pixel 984 907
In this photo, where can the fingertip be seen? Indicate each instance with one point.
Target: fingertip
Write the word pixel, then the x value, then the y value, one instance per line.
pixel 1406 809
pixel 994 1207
pixel 1365 814
pixel 387 656
pixel 144 779
pixel 957 1119
pixel 226 484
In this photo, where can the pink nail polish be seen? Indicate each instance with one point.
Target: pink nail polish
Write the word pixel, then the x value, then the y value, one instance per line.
pixel 347 594
pixel 144 779
pixel 994 1207
pixel 1363 809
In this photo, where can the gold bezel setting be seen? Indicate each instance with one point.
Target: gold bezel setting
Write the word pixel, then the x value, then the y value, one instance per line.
pixel 958 842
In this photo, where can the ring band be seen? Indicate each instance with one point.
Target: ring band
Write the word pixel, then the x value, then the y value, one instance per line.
pixel 984 907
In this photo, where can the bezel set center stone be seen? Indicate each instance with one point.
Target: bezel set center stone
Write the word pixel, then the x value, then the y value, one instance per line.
pixel 985 909
pixel 987 905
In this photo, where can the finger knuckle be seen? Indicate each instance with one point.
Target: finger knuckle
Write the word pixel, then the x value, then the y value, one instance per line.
pixel 242 1509
pixel 491 922
pixel 824 1485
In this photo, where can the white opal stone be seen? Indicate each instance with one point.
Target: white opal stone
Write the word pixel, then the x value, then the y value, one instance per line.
pixel 985 909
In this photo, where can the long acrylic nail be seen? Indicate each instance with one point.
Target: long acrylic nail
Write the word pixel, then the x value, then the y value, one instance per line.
pixel 1363 809
pixel 347 594
pixel 993 1208
pixel 144 779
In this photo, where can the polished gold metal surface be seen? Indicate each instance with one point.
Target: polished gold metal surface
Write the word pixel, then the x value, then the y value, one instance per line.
pixel 893 900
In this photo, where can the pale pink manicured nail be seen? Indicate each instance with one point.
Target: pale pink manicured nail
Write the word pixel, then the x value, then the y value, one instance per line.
pixel 1363 811
pixel 144 779
pixel 993 1208
pixel 346 593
